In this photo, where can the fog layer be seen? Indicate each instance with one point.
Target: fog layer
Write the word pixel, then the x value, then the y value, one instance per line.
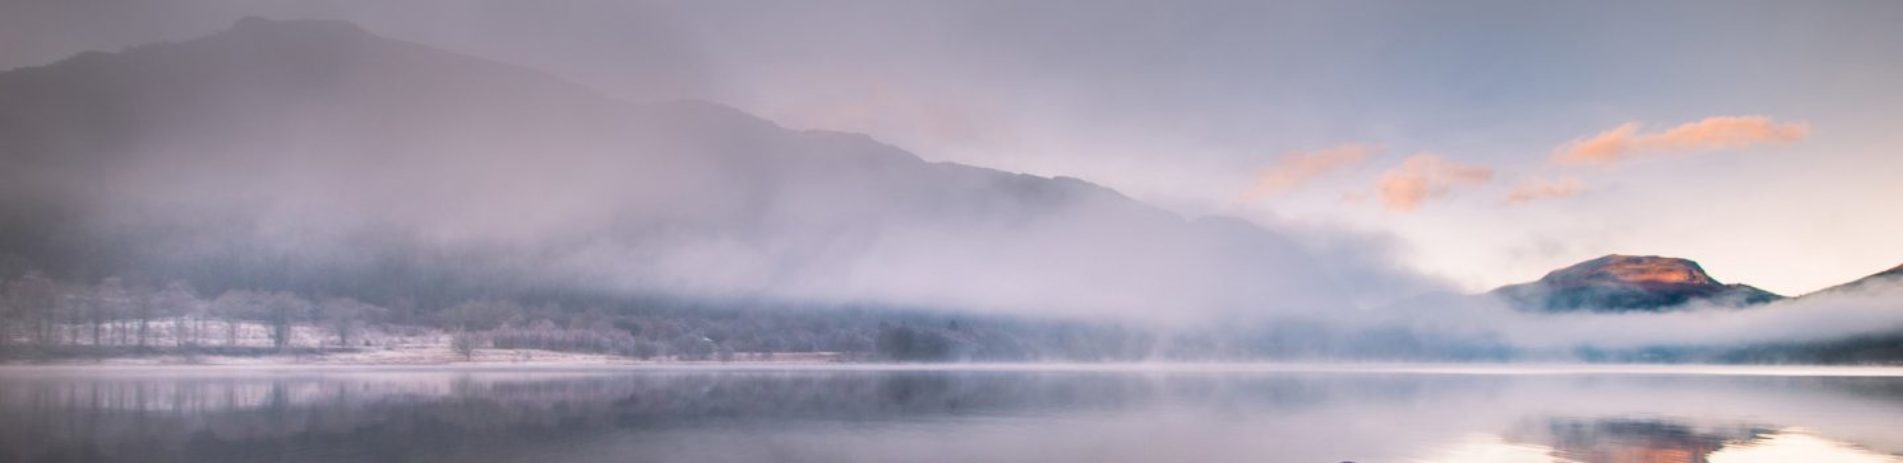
pixel 315 156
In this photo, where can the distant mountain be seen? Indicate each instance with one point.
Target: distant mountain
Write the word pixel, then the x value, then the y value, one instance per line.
pixel 1892 276
pixel 1618 283
pixel 316 157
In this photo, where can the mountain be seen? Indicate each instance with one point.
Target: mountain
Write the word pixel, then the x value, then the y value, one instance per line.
pixel 1619 283
pixel 1892 276
pixel 316 157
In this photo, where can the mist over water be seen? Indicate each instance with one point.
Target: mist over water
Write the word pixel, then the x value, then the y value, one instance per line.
pixel 1369 414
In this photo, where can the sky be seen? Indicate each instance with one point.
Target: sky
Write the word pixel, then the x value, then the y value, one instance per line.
pixel 1492 141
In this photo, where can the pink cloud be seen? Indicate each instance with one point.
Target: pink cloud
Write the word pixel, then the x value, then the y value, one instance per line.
pixel 1424 176
pixel 1709 134
pixel 1295 169
pixel 1538 188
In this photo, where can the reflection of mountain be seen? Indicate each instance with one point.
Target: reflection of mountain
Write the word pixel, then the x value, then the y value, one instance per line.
pixel 1617 283
pixel 1631 440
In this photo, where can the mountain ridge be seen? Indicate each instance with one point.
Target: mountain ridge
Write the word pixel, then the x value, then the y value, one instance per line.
pixel 1893 275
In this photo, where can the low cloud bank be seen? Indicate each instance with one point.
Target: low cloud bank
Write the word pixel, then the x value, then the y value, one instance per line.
pixel 1867 310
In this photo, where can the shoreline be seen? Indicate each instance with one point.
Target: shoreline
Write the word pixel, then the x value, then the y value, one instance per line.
pixel 1366 368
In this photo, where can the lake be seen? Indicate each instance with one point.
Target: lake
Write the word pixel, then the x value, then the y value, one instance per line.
pixel 1202 413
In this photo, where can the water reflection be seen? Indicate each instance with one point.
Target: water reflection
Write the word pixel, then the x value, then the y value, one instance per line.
pixel 1619 440
pixel 686 415
pixel 1626 440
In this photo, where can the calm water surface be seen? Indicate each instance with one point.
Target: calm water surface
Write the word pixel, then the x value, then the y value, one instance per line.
pixel 951 415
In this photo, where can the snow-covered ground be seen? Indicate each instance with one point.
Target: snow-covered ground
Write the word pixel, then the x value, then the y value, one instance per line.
pixel 384 345
pixel 402 355
pixel 438 355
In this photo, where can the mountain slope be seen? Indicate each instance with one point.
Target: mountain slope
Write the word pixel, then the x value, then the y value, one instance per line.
pixel 314 156
pixel 1893 276
pixel 1618 283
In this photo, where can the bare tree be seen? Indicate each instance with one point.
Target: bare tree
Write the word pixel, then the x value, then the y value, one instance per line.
pixel 71 309
pixel 345 317
pixel 107 301
pixel 32 297
pixel 465 342
pixel 284 310
pixel 144 306
pixel 178 301
pixel 279 311
pixel 8 312
pixel 234 306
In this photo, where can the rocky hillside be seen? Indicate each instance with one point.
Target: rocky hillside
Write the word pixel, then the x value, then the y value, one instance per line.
pixel 1618 283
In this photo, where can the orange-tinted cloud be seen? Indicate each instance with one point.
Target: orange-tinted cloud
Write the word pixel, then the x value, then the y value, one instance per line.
pixel 1712 133
pixel 1424 176
pixel 1538 188
pixel 1293 170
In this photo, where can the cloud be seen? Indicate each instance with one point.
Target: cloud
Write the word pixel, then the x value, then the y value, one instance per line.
pixel 1295 169
pixel 1426 175
pixel 1709 134
pixel 1538 188
pixel 1869 310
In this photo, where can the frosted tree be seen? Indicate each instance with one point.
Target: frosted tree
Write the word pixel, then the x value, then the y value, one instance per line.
pixel 233 307
pixel 33 298
pixel 283 311
pixel 179 302
pixel 345 317
pixel 102 308
pixel 145 305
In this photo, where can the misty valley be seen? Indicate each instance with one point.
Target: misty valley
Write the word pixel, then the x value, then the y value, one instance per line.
pixel 948 231
pixel 309 190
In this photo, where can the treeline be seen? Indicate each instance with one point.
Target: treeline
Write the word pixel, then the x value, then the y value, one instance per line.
pixel 39 315
pixel 45 317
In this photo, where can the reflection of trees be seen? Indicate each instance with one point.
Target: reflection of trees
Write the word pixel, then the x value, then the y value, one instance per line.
pixel 438 416
pixel 305 418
